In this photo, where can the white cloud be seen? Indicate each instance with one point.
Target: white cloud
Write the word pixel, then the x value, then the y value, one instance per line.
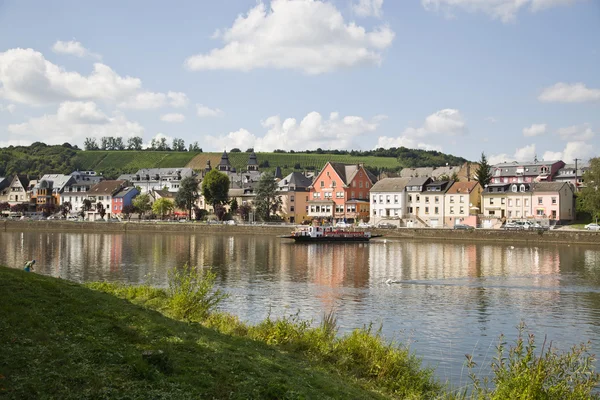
pixel 576 132
pixel 73 122
pixel 27 77
pixel 309 134
pixel 145 101
pixel 576 149
pixel 207 112
pixel 74 48
pixel 504 10
pixel 172 118
pixel 526 153
pixel 306 35
pixel 446 122
pixel 569 93
pixel 368 8
pixel 177 99
pixel 9 108
pixel 535 130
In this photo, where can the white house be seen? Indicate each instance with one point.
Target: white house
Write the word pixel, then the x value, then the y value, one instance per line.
pixel 388 200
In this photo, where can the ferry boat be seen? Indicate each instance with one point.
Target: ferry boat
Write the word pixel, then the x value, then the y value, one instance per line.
pixel 319 233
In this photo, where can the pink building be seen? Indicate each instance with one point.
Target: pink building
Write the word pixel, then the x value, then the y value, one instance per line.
pixel 553 200
pixel 515 172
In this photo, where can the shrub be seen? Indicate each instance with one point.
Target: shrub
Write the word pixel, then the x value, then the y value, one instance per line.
pixel 523 374
pixel 191 294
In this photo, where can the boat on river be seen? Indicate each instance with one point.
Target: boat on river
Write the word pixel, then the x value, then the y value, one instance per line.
pixel 318 233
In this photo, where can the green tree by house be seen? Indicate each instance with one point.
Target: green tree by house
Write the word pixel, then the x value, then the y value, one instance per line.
pixel 589 197
pixel 267 200
pixel 484 173
pixel 215 188
pixel 65 208
pixel 163 207
pixel 233 206
pixel 101 210
pixel 142 204
pixel 187 194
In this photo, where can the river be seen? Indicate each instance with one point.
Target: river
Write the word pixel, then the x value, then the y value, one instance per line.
pixel 448 299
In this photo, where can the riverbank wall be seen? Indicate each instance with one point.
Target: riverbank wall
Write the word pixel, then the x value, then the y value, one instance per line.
pixel 560 236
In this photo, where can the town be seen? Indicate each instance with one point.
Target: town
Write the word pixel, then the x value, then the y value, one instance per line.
pixel 541 192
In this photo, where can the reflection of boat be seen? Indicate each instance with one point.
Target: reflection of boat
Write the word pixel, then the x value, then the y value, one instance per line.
pixel 328 234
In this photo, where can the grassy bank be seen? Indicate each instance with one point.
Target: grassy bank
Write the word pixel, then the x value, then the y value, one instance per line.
pixel 104 340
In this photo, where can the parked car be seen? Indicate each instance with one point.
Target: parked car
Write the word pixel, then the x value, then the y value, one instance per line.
pixel 513 225
pixel 364 225
pixel 343 225
pixel 463 226
pixel 386 225
pixel 592 227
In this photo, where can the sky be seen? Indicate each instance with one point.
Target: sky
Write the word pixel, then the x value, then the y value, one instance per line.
pixel 516 79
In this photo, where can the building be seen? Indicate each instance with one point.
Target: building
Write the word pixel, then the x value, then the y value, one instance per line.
pixel 554 201
pixel 75 191
pixel 388 200
pixel 493 200
pixel 49 189
pixel 462 203
pixel 425 202
pixel 100 196
pixel 295 191
pixel 123 198
pixel 465 172
pixel 15 190
pixel 340 192
pixel 149 179
pixel 567 174
pixel 516 172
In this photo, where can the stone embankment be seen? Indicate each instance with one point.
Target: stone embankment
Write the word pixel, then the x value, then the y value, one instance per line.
pixel 484 235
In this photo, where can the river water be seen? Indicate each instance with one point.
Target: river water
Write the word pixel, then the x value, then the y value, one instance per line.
pixel 448 299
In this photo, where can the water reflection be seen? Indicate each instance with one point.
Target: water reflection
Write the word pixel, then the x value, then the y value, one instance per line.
pixel 450 299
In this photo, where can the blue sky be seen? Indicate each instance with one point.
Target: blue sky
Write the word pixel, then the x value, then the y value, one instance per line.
pixel 513 78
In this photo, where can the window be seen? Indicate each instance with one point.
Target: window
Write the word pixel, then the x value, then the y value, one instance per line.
pixel 492 212
pixel 418 198
pixel 540 201
pixel 374 199
pixel 522 188
pixel 367 185
pixel 462 210
pixel 451 199
pixel 100 198
pixel 554 200
pixel 353 184
pixel 292 209
pixel 352 195
pixel 410 210
pixel 518 214
pixel 426 210
pixel 518 202
pixel 462 199
pixel 381 198
pixel 437 210
pixel 510 202
pixel 387 199
pixel 526 202
pixel 426 199
pixel 409 197
pixel 360 195
pixel 333 184
pixel 322 184
pixel 509 214
pixel 360 184
pixel 540 213
pixel 502 200
pixel 395 199
pixel 514 188
pixel 451 210
pixel 314 195
pixel 492 201
pixel 437 200
pixel 291 199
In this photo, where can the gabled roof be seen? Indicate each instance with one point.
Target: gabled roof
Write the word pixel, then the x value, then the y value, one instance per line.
pixel 59 181
pixel 296 180
pixel 347 172
pixel 23 179
pixel 390 185
pixel 4 182
pixel 125 191
pixel 462 187
pixel 252 159
pixel 106 188
pixel 548 186
pixel 419 181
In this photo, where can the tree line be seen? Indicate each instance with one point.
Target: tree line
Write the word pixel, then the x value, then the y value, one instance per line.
pixel 117 143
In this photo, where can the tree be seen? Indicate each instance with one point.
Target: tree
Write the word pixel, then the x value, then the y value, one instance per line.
pixel 215 188
pixel 162 207
pixel 195 147
pixel 142 204
pixel 128 210
pixel 162 145
pixel 220 211
pixel 187 195
pixel 178 144
pixel 118 144
pixel 250 150
pixel 48 209
pixel 87 205
pixel 104 142
pixel 484 173
pixel 65 208
pixel 233 206
pixel 235 150
pixel 455 177
pixel 4 206
pixel 90 144
pixel 589 197
pixel 244 211
pixel 267 198
pixel 134 143
pixel 101 210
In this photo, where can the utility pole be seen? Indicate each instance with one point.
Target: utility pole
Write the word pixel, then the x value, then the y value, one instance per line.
pixel 577 159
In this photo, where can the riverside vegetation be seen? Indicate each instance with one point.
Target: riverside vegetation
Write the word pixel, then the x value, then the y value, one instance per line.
pixel 108 340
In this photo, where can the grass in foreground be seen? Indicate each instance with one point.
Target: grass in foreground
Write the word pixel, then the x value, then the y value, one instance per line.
pixel 62 340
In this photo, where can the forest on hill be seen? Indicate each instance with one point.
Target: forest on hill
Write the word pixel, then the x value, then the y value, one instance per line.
pixel 39 159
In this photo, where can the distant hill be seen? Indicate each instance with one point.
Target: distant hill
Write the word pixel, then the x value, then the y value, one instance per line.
pixel 39 159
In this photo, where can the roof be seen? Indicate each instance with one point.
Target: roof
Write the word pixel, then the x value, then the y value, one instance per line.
pixel 106 187
pixel 419 181
pixel 224 159
pixel 125 191
pixel 252 159
pixel 4 182
pixel 525 164
pixel 152 172
pixel 347 171
pixel 462 187
pixel 444 185
pixel 430 171
pixel 548 186
pixel 296 180
pixel 165 194
pixel 59 181
pixel 390 185
pixel 530 168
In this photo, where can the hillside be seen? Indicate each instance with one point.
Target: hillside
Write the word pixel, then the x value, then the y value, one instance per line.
pixel 61 340
pixel 39 159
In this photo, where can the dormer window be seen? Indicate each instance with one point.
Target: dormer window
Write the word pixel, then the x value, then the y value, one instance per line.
pixel 522 188
pixel 514 188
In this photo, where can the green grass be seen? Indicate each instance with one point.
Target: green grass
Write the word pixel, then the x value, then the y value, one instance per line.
pixel 131 161
pixel 62 340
